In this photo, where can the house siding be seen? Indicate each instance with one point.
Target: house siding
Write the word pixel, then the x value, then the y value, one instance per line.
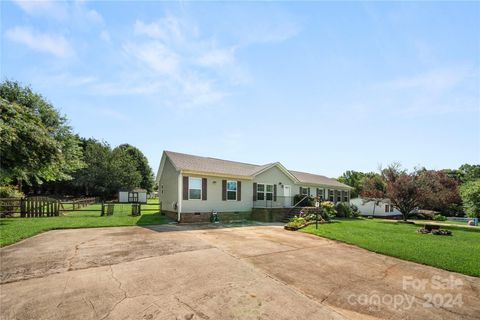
pixel 169 195
pixel 275 176
pixel 214 200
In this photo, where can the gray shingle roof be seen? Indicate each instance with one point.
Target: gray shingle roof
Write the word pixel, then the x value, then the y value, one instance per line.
pixel 182 161
pixel 316 179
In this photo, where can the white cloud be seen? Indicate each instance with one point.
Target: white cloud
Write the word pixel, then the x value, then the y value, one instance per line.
pixel 105 36
pixel 154 55
pixel 56 10
pixel 70 12
pixel 433 92
pixel 217 57
pixel 43 42
pixel 168 29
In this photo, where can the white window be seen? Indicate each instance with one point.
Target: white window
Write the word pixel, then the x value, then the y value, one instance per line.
pixel 194 188
pixel 264 191
pixel 304 191
pixel 269 191
pixel 231 190
pixel 387 208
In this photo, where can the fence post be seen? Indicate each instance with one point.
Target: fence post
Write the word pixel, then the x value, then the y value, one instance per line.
pixel 103 209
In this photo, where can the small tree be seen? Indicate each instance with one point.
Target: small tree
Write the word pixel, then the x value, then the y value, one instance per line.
pixel 470 193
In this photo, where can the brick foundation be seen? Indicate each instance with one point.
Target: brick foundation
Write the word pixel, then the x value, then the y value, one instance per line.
pixel 269 214
pixel 222 216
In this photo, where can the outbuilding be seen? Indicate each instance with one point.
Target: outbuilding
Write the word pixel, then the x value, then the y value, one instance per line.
pixel 136 195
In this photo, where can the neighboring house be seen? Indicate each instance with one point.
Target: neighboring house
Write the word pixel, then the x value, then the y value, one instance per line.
pixel 192 187
pixel 382 208
pixel 132 196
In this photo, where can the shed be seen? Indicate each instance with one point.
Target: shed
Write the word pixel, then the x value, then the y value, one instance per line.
pixel 136 195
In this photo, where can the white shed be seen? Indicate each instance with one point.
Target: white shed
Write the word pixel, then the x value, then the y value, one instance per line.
pixel 132 196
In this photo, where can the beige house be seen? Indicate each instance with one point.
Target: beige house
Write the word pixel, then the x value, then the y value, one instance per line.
pixel 191 188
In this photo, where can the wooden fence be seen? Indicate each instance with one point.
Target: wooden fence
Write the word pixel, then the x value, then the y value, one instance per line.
pixel 40 206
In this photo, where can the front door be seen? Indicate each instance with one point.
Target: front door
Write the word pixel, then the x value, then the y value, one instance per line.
pixel 287 196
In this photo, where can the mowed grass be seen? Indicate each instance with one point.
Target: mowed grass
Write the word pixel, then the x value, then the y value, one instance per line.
pixel 15 229
pixel 459 252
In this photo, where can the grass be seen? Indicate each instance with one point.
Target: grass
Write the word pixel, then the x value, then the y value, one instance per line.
pixel 16 229
pixel 459 252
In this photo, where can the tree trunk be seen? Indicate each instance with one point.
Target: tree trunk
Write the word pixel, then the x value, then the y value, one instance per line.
pixel 373 214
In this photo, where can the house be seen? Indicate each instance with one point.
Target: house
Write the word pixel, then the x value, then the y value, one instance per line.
pixel 132 196
pixel 382 208
pixel 192 187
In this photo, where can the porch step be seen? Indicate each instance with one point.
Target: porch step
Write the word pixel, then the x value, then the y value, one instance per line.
pixel 294 212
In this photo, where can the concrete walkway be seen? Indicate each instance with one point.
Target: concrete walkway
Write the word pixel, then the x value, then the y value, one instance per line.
pixel 199 272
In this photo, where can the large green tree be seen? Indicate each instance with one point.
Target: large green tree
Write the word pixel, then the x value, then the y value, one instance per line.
pixel 353 179
pixel 470 192
pixel 107 170
pixel 142 165
pixel 36 143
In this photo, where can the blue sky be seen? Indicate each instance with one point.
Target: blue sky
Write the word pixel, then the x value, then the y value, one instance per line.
pixel 321 87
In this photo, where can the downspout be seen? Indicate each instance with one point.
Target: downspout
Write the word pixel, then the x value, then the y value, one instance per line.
pixel 180 196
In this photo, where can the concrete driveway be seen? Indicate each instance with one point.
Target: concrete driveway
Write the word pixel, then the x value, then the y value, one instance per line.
pixel 194 272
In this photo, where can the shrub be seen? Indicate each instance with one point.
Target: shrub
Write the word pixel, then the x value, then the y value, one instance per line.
pixel 296 222
pixel 310 214
pixel 344 210
pixel 439 217
pixel 10 192
pixel 355 211
pixel 442 232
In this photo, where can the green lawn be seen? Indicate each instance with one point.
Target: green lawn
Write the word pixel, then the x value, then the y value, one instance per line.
pixel 459 252
pixel 15 229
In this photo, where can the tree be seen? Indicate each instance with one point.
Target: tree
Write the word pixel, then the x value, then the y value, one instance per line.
pixel 354 180
pixel 36 142
pixel 402 189
pixel 465 173
pixel 141 165
pixel 470 192
pixel 107 170
pixel 439 190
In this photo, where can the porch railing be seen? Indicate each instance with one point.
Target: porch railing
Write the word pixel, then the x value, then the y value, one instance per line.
pixel 278 202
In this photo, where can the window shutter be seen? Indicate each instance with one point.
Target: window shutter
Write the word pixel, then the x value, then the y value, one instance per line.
pixel 318 192
pixel 309 191
pixel 239 190
pixel 275 192
pixel 185 188
pixel 224 190
pixel 204 188
pixel 254 191
pixel 300 191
